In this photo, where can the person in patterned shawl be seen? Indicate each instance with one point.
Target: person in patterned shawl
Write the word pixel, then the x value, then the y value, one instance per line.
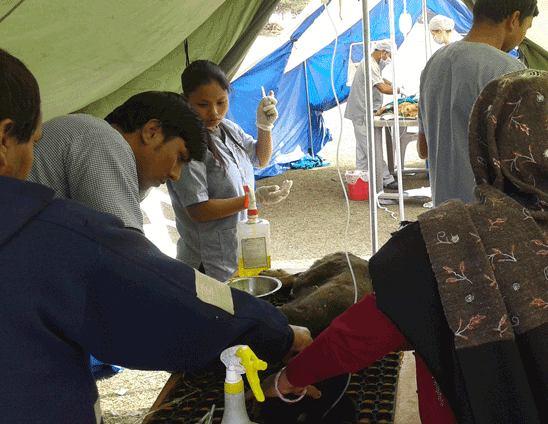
pixel 466 286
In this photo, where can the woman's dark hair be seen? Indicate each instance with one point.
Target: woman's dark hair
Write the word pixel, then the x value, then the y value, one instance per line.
pixel 202 72
pixel 176 115
pixel 197 74
pixel 498 10
pixel 19 97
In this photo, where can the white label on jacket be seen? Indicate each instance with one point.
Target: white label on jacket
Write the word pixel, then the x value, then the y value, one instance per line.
pixel 214 292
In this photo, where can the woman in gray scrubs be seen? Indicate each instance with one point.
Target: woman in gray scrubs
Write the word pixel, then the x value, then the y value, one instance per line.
pixel 208 199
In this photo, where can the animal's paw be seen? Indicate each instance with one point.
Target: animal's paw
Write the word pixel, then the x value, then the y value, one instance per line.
pixel 285 277
pixel 274 273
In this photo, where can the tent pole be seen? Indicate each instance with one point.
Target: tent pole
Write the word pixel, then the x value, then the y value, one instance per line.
pixel 427 46
pixel 308 107
pixel 370 130
pixel 396 133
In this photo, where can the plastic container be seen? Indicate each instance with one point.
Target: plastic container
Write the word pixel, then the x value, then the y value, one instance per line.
pixel 253 246
pixel 358 185
pixel 240 360
pixel 253 241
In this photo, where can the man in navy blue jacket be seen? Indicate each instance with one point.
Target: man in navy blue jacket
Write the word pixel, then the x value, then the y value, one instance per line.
pixel 74 281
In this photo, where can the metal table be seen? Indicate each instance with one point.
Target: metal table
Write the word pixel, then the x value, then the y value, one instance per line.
pixel 405 138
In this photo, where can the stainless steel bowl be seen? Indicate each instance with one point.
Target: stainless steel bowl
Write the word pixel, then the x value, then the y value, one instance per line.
pixel 257 285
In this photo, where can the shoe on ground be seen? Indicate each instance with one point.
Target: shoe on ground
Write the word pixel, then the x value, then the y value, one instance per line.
pixel 391 186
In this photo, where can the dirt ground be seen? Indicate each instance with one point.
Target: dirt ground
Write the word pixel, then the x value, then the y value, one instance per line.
pixel 309 224
pixel 312 221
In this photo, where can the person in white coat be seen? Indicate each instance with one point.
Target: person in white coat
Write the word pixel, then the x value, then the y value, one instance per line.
pixel 443 31
pixel 441 28
pixel 355 108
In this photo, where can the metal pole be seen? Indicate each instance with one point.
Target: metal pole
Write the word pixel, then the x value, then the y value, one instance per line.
pixel 308 105
pixel 427 45
pixel 396 132
pixel 370 130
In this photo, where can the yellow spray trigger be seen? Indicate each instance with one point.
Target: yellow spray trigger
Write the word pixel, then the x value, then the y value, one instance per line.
pixel 252 364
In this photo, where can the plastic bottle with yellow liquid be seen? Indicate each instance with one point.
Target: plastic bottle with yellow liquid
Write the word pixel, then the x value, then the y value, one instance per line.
pixel 253 240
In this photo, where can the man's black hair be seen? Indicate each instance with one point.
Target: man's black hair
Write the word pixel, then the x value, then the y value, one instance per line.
pixel 175 114
pixel 496 11
pixel 19 97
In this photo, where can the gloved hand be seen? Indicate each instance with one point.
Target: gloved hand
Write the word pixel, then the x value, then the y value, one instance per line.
pixel 267 112
pixel 402 92
pixel 270 195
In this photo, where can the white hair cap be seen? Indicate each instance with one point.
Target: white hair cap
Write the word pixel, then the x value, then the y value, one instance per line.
pixel 382 45
pixel 441 22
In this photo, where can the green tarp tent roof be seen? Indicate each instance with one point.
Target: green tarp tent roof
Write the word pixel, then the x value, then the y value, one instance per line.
pixel 93 55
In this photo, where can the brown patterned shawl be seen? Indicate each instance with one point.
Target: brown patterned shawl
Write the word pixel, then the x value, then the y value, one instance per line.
pixel 490 258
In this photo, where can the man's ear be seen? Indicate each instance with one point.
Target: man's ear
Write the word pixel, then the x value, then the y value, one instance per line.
pixel 6 141
pixel 6 127
pixel 513 20
pixel 152 132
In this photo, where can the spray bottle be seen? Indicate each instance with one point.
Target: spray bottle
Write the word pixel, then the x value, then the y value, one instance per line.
pixel 253 240
pixel 238 360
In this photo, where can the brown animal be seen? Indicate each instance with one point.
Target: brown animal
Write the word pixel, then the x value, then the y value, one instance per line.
pixel 324 291
pixel 406 110
pixel 320 294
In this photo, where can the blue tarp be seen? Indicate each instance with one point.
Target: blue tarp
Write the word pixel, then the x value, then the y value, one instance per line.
pixel 300 110
pixel 101 370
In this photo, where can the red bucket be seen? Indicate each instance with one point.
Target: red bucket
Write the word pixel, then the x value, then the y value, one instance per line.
pixel 358 185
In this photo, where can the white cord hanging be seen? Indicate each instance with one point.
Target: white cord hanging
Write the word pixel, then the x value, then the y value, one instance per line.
pixel 344 190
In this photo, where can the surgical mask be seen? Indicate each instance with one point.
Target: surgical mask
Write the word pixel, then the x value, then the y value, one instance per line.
pixel 386 62
pixel 438 40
